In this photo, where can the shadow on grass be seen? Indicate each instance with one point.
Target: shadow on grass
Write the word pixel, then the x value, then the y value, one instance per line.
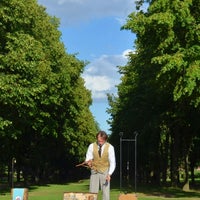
pixel 167 192
pixel 75 186
pixel 158 191
pixel 4 188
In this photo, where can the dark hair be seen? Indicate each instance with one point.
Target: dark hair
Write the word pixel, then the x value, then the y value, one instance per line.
pixel 102 134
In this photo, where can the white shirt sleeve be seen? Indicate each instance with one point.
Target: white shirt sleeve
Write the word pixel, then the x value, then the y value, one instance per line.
pixel 112 160
pixel 89 154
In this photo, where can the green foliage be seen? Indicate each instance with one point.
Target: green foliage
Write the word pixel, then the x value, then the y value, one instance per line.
pixel 159 91
pixel 42 93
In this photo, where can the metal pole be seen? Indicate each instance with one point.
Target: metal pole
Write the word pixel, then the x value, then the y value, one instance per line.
pixel 121 135
pixel 135 160
pixel 13 163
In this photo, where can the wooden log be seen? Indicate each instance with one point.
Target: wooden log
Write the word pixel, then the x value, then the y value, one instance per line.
pixel 127 197
pixel 80 196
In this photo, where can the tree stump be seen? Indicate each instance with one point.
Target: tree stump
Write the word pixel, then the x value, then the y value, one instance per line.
pixel 127 197
pixel 79 196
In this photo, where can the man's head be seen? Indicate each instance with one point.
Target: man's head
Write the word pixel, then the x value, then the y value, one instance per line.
pixel 101 137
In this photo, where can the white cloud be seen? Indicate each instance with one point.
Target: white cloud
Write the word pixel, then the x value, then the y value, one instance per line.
pixel 77 11
pixel 127 52
pixel 98 83
pixel 101 75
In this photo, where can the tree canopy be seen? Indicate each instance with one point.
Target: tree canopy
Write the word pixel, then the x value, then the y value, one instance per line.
pixel 44 113
pixel 159 91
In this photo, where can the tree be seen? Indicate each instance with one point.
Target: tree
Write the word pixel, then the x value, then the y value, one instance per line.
pixel 42 94
pixel 159 87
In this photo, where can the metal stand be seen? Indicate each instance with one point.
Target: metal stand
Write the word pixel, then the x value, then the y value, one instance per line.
pixel 135 149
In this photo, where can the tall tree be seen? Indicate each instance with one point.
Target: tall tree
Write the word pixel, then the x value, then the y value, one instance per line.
pixel 160 84
pixel 42 94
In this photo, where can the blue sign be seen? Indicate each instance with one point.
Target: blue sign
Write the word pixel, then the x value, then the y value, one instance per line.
pixel 18 193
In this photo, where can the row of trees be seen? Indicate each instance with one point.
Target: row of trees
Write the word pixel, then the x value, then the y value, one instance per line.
pixel 45 121
pixel 159 93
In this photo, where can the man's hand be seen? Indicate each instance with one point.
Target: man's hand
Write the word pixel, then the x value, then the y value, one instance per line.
pixel 108 178
pixel 89 163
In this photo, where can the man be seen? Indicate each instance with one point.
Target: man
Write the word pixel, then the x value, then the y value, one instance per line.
pixel 100 157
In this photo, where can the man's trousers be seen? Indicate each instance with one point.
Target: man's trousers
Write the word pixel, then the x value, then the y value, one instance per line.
pixel 98 181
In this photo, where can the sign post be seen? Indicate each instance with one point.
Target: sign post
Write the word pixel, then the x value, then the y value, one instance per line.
pixel 19 194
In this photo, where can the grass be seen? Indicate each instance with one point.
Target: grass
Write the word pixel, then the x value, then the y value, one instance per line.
pixel 55 192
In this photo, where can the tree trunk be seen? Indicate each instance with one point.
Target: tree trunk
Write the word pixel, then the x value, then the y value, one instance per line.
pixel 186 186
pixel 165 156
pixel 174 159
pixel 192 174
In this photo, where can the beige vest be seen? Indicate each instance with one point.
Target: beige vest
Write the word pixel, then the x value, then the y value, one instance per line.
pixel 100 164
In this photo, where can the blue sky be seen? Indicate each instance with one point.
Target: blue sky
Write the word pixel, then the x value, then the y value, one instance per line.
pixel 91 28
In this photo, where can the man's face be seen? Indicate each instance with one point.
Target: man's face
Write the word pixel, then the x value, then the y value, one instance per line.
pixel 100 140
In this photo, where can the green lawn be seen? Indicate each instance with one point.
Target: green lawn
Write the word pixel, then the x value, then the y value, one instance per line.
pixel 55 192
